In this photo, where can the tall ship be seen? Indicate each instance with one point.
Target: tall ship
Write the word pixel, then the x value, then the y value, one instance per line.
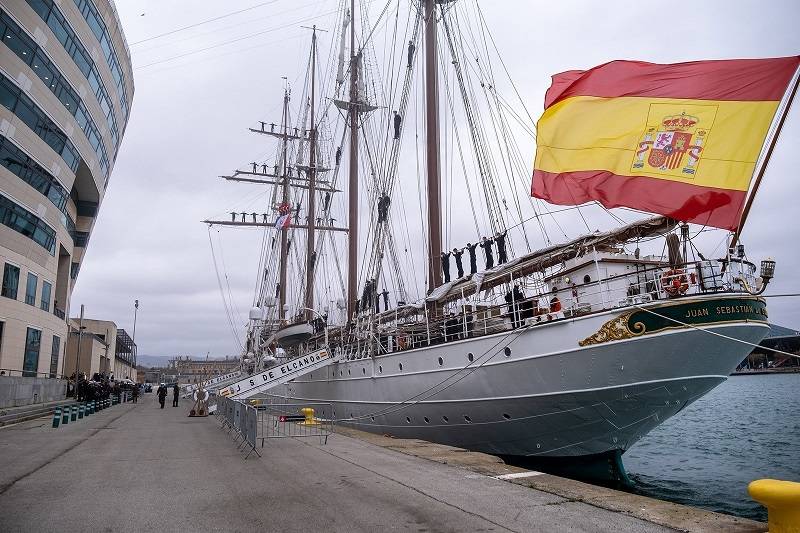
pixel 401 234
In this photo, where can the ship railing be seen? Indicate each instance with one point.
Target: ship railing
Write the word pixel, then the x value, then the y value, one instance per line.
pixel 558 299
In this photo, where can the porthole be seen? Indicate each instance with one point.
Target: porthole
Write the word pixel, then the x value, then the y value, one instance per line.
pixel 372 418
pixel 401 366
pixel 364 371
pixel 468 419
pixel 445 419
pixel 507 416
pixel 323 412
pixel 587 279
pixel 351 415
pixel 408 420
pixel 340 373
pixel 441 361
pixel 427 420
pixel 507 351
pixel 380 369
pixel 470 357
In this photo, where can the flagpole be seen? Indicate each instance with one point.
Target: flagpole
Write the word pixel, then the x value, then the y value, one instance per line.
pixel 773 142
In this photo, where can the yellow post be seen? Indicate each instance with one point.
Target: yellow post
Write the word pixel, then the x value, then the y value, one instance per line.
pixel 782 500
pixel 308 412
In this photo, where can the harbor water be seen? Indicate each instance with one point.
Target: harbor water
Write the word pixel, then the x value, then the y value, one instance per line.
pixel 747 428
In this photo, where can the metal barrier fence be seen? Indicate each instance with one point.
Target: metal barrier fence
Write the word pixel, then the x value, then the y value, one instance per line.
pixel 281 420
pixel 260 419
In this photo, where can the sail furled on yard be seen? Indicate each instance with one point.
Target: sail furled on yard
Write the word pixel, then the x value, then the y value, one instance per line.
pixel 681 140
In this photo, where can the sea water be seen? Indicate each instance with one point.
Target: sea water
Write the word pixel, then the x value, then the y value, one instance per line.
pixel 747 428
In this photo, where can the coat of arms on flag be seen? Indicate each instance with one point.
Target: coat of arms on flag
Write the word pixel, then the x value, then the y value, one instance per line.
pixel 672 143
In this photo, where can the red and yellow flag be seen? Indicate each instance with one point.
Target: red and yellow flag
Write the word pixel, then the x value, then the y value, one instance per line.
pixel 680 140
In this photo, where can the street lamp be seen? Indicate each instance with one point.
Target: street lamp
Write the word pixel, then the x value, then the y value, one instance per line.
pixel 133 340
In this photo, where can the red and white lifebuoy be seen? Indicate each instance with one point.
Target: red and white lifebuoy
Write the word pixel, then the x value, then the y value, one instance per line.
pixel 674 282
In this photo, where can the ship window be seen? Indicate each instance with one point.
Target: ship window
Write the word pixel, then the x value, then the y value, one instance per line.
pixel 364 371
pixel 441 361
pixel 587 279
pixel 507 351
pixel 507 416
pixel 372 418
pixel 380 369
pixel 340 373
pixel 401 366
pixel 427 420
pixel 468 419
pixel 348 372
pixel 445 419
pixel 470 357
pixel 408 420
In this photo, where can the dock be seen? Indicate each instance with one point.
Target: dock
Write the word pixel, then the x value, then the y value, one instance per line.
pixel 137 467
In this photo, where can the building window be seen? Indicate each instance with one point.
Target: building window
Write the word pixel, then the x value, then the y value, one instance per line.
pixel 33 342
pixel 10 281
pixel 30 289
pixel 54 353
pixel 47 287
pixel 20 219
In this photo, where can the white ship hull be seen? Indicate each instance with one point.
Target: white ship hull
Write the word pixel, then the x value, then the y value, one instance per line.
pixel 548 397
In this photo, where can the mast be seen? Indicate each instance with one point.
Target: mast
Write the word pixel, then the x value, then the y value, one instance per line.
pixel 284 258
pixel 432 148
pixel 312 192
pixel 352 192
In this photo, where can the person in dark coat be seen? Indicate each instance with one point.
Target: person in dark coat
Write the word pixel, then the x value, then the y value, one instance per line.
pixel 162 394
pixel 459 266
pixel 175 391
pixel 502 256
pixel 135 393
pixel 486 244
pixel 473 260
pixel 397 120
pixel 446 266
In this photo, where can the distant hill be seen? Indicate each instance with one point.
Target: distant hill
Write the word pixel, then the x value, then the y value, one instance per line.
pixel 153 361
pixel 159 361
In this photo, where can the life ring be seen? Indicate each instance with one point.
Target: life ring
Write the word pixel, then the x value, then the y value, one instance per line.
pixel 555 305
pixel 674 282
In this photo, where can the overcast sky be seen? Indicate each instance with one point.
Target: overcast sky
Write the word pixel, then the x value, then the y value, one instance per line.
pixel 190 114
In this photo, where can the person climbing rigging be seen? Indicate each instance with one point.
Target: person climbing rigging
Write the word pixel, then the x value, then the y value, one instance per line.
pixel 264 168
pixel 397 121
pixel 244 217
pixel 473 260
pixel 255 167
pixel 500 239
pixel 254 216
pixel 459 266
pixel 233 216
pixel 383 208
pixel 446 266
pixel 486 244
pixel 385 295
pixel 338 155
pixel 411 48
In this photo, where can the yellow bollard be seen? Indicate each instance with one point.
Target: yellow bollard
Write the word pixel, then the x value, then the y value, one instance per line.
pixel 782 500
pixel 308 412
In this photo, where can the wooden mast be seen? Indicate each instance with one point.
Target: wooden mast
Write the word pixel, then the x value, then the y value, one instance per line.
pixel 432 148
pixel 312 192
pixel 284 258
pixel 352 192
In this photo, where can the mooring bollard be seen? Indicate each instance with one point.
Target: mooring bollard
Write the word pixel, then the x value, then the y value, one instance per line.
pixel 56 417
pixel 65 415
pixel 782 500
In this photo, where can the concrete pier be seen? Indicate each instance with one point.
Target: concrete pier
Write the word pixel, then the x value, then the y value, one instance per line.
pixel 135 466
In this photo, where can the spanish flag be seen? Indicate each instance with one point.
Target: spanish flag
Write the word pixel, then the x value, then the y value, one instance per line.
pixel 680 140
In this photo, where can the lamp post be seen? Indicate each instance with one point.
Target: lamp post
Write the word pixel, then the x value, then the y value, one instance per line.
pixel 78 353
pixel 133 340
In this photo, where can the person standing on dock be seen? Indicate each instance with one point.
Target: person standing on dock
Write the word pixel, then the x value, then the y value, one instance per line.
pixel 162 394
pixel 175 391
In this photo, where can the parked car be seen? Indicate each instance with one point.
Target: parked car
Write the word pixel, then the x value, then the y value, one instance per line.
pixel 148 387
